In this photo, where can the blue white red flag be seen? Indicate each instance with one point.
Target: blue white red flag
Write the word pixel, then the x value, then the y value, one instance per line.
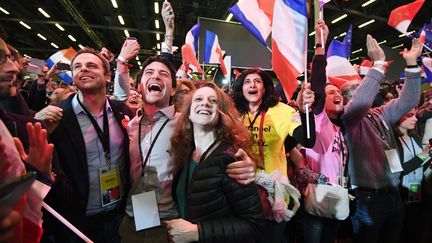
pixel 339 70
pixel 64 56
pixel 289 40
pixel 213 52
pixel 192 37
pixel 427 66
pixel 256 16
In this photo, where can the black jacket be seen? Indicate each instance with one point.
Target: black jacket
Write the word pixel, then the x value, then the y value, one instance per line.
pixel 69 193
pixel 224 210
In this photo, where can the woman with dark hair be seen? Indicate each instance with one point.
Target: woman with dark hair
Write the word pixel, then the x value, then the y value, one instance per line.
pixel 415 188
pixel 271 123
pixel 213 207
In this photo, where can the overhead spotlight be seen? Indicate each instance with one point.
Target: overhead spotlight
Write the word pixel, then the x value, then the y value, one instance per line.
pixel 72 38
pixel 25 25
pixel 157 36
pixel 120 18
pixel 114 3
pixel 312 33
pixel 41 36
pixel 126 32
pixel 367 3
pixel 54 45
pixel 228 19
pixel 59 27
pixel 81 46
pixel 139 63
pixel 366 23
pixel 339 18
pixel 4 11
pixel 156 7
pixel 409 33
pixel 356 51
pixel 137 58
pixel 342 34
pixel 398 46
pixel 44 13
pixel 158 46
pixel 354 59
pixel 382 42
pixel 157 23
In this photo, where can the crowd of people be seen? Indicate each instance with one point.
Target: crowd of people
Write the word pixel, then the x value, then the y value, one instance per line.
pixel 168 159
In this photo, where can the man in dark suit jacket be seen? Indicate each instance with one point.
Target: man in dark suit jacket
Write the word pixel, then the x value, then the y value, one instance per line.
pixel 92 146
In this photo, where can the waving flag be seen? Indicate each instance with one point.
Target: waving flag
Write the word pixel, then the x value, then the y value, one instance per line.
pixel 339 70
pixel 188 56
pixel 213 52
pixel 425 35
pixel 367 64
pixel 256 16
pixel 289 40
pixel 427 66
pixel 64 56
pixel 192 37
pixel 401 17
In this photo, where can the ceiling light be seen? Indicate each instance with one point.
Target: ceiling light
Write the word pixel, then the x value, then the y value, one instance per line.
pixel 407 34
pixel 342 34
pixel 312 33
pixel 339 18
pixel 114 3
pixel 382 42
pixel 158 46
pixel 81 46
pixel 44 13
pixel 156 7
pixel 72 38
pixel 367 3
pixel 209 72
pixel 126 32
pixel 354 59
pixel 25 25
pixel 158 36
pixel 137 58
pixel 41 36
pixel 54 45
pixel 366 23
pixel 59 27
pixel 394 47
pixel 140 67
pixel 158 52
pixel 228 19
pixel 139 63
pixel 121 20
pixel 359 50
pixel 157 23
pixel 4 10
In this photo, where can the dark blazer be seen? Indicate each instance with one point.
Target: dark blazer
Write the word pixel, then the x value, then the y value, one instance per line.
pixel 224 210
pixel 69 193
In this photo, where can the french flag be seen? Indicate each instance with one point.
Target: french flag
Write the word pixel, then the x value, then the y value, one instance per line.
pixel 427 66
pixel 365 65
pixel 425 35
pixel 289 38
pixel 192 37
pixel 213 52
pixel 401 17
pixel 339 70
pixel 256 16
pixel 64 56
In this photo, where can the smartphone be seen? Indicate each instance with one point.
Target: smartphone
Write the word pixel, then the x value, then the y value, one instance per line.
pixel 12 191
pixel 63 66
pixel 131 40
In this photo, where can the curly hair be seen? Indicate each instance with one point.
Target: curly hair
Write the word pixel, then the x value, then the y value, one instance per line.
pixel 269 98
pixel 162 60
pixel 229 129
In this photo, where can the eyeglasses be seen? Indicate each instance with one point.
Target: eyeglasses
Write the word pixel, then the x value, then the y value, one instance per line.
pixel 4 57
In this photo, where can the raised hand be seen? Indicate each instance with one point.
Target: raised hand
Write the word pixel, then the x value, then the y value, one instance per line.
pixel 129 49
pixel 412 55
pixel 321 27
pixel 305 97
pixel 375 52
pixel 168 18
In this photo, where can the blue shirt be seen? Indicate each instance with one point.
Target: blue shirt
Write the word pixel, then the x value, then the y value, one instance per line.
pixel 95 152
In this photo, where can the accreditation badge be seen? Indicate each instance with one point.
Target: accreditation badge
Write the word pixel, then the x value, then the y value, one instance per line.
pixel 414 192
pixel 110 186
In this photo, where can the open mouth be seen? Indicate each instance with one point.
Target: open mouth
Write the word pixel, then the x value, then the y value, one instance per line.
pixel 133 101
pixel 253 92
pixel 204 112
pixel 337 101
pixel 154 87
pixel 85 77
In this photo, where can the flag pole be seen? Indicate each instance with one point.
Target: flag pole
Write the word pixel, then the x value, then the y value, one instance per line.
pixel 409 36
pixel 307 105
pixel 321 15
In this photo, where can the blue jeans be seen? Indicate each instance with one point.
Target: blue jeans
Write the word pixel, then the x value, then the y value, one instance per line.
pixel 312 229
pixel 378 216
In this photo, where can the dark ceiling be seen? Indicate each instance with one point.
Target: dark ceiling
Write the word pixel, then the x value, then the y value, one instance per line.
pixel 95 23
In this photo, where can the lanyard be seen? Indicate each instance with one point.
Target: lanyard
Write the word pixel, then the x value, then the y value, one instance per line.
pixel 102 135
pixel 260 138
pixel 412 145
pixel 144 162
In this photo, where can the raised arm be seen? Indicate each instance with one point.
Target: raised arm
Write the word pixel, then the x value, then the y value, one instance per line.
pixel 129 50
pixel 365 93
pixel 410 94
pixel 319 63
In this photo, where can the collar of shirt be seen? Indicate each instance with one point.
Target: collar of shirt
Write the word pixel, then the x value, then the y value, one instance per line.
pixel 168 112
pixel 78 108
